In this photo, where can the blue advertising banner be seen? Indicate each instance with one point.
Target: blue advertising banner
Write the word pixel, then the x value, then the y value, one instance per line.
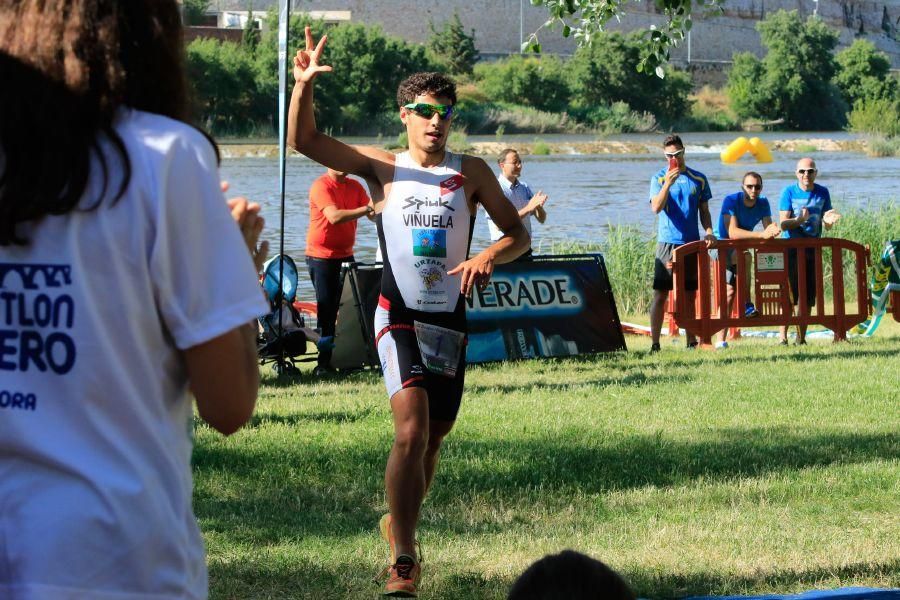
pixel 548 306
pixel 545 307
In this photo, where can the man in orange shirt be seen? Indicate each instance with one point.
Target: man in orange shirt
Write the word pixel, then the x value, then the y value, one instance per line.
pixel 335 203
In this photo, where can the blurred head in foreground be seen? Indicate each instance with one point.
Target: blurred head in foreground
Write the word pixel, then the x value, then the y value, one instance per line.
pixel 570 575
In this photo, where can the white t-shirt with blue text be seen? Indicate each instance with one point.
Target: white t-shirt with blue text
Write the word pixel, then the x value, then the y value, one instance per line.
pixel 95 414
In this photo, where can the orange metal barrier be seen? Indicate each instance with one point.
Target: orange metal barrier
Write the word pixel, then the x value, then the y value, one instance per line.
pixel 770 287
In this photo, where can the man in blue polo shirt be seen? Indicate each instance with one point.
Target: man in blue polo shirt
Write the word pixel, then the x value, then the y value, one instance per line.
pixel 526 202
pixel 804 208
pixel 679 196
pixel 741 213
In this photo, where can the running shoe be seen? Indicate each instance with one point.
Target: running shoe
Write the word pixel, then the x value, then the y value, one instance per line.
pixel 750 310
pixel 403 576
pixel 654 348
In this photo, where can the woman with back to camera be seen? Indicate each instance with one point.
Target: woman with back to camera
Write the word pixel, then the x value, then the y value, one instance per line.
pixel 124 283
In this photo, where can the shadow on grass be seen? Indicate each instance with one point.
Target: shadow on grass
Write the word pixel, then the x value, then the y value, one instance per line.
pixel 300 579
pixel 271 577
pixel 306 377
pixel 338 416
pixel 677 585
pixel 290 488
pixel 634 379
pixel 696 366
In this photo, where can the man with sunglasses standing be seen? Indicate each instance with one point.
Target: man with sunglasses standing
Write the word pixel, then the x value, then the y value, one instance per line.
pixel 425 202
pixel 526 202
pixel 804 208
pixel 679 195
pixel 741 213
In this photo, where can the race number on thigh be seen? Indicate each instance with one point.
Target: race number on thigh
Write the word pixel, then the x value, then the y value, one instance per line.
pixel 440 348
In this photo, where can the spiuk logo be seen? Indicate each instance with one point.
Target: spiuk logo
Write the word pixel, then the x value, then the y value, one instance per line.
pixel 431 276
pixel 418 204
pixel 451 184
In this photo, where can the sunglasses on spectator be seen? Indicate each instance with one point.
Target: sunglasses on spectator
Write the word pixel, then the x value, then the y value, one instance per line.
pixel 426 111
pixel 674 154
pixel 752 186
pixel 806 171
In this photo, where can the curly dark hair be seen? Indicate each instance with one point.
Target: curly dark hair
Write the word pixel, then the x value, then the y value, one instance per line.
pixel 436 84
pixel 67 67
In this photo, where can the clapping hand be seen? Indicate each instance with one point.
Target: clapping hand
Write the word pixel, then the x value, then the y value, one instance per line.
pixel 306 62
pixel 537 201
pixel 246 215
pixel 831 217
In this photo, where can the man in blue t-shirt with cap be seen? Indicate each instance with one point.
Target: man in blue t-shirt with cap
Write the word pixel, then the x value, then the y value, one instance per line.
pixel 804 208
pixel 679 196
pixel 741 213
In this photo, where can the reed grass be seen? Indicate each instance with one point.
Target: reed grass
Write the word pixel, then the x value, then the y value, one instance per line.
pixel 628 253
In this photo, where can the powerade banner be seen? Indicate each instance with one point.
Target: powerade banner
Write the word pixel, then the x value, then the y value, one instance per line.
pixel 550 306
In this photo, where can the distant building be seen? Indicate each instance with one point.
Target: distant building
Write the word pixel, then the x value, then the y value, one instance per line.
pixel 500 26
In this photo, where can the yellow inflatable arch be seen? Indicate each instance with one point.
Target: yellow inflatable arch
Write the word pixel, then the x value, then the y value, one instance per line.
pixel 742 145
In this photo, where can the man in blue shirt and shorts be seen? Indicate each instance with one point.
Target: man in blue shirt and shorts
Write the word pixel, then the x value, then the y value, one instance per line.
pixel 741 213
pixel 804 207
pixel 679 196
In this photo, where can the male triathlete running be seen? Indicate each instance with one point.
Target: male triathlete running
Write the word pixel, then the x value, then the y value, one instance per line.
pixel 425 209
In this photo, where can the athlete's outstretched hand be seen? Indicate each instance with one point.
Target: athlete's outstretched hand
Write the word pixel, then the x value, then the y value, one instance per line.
pixel 306 62
pixel 475 271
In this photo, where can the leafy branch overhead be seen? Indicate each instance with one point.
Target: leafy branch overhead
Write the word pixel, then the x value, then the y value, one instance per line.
pixel 585 19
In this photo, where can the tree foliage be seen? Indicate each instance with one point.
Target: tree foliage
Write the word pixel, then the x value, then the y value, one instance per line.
pixel 864 73
pixel 368 67
pixel 195 10
pixel 585 20
pixel 452 48
pixel 224 90
pixel 539 82
pixel 604 73
pixel 793 80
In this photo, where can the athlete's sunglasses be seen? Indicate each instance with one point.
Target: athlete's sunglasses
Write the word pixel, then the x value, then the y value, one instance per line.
pixel 426 111
pixel 674 154
pixel 806 171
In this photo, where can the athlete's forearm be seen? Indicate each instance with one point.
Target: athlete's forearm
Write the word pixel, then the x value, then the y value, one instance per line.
pixel 301 117
pixel 511 245
pixel 706 218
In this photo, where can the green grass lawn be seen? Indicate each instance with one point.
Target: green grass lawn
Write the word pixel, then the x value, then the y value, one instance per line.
pixel 758 469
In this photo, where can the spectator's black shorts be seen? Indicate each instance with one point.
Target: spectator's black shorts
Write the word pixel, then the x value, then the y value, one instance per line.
pixel 662 270
pixel 730 266
pixel 794 275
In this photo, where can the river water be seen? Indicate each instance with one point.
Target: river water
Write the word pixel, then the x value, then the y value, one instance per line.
pixel 587 192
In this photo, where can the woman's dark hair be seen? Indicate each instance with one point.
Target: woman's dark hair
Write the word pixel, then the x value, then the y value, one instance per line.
pixel 435 84
pixel 67 66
